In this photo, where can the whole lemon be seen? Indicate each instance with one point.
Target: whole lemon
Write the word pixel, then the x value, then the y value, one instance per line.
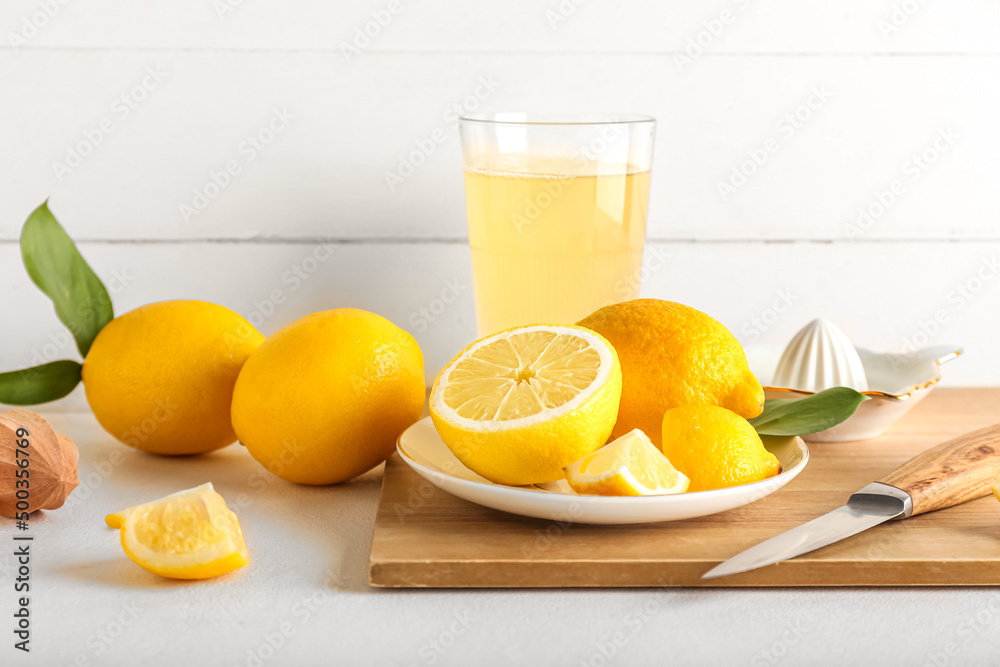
pixel 324 399
pixel 715 447
pixel 673 355
pixel 160 378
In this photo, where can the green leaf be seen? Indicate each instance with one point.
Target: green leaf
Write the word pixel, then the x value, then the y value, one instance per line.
pixel 812 414
pixel 59 270
pixel 40 384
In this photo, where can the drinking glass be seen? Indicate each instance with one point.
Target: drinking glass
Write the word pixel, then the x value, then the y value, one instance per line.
pixel 557 213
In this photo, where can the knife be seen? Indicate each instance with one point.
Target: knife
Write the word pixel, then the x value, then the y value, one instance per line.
pixel 952 473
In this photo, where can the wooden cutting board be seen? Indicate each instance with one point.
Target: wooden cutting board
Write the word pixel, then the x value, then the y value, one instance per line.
pixel 425 537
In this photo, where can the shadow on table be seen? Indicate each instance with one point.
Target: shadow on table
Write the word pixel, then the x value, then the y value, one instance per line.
pixel 120 572
pixel 335 522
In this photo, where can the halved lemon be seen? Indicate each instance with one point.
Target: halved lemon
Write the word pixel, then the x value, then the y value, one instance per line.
pixel 520 405
pixel 187 535
pixel 630 466
pixel 996 492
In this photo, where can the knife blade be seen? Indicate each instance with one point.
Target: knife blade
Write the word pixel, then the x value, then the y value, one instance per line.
pixel 949 474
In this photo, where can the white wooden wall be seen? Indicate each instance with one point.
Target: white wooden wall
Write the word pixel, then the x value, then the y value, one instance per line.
pixel 209 148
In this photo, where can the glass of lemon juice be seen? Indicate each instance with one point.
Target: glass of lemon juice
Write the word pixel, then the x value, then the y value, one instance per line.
pixel 557 213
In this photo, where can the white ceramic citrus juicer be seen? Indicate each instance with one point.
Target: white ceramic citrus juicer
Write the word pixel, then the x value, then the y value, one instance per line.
pixel 821 356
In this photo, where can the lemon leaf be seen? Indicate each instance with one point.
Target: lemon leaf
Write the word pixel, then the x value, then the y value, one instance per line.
pixel 812 414
pixel 57 267
pixel 39 384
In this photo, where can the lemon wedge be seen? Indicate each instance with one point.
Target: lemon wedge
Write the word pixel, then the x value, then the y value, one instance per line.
pixel 520 405
pixel 996 492
pixel 187 535
pixel 629 466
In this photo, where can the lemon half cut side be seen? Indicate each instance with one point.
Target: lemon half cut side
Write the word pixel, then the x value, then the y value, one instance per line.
pixel 520 405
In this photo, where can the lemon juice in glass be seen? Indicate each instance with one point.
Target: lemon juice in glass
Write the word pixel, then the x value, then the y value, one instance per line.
pixel 557 213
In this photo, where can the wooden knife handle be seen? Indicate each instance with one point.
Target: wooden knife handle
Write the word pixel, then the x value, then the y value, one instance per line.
pixel 952 473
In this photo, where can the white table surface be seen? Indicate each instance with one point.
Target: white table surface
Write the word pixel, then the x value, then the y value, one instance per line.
pixel 304 598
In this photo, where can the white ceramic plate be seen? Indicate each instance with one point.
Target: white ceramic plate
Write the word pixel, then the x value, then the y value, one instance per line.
pixel 424 451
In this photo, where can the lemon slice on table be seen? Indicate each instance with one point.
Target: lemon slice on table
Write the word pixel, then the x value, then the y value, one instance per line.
pixel 629 466
pixel 520 405
pixel 187 535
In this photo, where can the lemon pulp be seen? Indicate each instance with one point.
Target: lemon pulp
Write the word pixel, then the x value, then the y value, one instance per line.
pixel 521 375
pixel 629 466
pixel 187 535
pixel 520 405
